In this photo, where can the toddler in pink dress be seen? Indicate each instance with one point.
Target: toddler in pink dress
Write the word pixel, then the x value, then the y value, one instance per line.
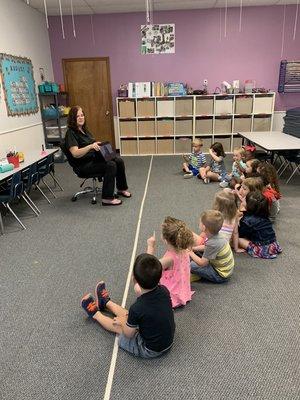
pixel 176 261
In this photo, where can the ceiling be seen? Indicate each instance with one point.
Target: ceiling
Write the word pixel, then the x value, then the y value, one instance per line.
pixel 127 6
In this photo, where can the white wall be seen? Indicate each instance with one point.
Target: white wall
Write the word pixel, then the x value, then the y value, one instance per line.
pixel 23 33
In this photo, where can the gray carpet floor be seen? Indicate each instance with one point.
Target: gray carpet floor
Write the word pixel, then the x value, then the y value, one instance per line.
pixel 234 341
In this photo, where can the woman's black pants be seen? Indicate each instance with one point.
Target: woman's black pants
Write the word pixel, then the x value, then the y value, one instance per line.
pixel 110 171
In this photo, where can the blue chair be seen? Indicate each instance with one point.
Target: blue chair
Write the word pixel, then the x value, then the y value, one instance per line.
pixel 46 167
pixel 32 179
pixel 14 191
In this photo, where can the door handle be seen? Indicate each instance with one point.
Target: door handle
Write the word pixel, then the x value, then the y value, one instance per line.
pixel 107 112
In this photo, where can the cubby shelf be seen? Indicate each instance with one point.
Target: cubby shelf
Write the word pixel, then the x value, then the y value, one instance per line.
pixel 167 125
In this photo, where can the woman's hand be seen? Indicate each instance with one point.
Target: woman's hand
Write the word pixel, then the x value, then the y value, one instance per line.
pixel 95 146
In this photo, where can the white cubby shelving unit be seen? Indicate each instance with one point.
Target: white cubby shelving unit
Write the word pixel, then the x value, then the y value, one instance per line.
pixel 167 125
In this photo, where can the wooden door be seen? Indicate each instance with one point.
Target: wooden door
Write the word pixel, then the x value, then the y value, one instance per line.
pixel 87 81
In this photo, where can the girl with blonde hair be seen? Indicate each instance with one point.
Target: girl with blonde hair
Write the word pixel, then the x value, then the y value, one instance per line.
pixel 176 261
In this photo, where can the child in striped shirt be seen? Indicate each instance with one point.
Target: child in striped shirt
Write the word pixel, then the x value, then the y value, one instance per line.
pixel 194 161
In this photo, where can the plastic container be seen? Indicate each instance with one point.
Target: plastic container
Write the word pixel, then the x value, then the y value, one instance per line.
pixel 14 160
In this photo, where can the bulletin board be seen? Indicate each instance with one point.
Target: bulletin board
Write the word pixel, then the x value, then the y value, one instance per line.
pixel 158 39
pixel 18 85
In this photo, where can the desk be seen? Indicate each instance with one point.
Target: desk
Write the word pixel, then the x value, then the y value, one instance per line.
pixel 272 141
pixel 30 158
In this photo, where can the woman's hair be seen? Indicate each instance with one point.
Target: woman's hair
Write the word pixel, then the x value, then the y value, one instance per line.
pixel 177 233
pixel 147 271
pixel 72 118
pixel 257 204
pixel 253 184
pixel 269 175
pixel 218 149
pixel 212 220
pixel 226 202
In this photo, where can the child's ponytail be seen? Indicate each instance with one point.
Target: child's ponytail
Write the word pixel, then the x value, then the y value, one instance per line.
pixel 177 233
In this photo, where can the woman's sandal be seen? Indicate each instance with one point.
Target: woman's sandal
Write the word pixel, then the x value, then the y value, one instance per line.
pixel 113 202
pixel 124 193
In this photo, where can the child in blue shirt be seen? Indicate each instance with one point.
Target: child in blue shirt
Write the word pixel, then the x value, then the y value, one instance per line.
pixel 238 169
pixel 194 160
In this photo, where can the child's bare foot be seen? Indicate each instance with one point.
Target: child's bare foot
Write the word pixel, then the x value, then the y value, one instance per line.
pixel 239 250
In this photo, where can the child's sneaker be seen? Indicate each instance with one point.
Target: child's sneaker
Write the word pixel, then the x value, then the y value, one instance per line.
pixel 102 295
pixel 88 303
pixel 206 180
pixel 188 175
pixel 223 184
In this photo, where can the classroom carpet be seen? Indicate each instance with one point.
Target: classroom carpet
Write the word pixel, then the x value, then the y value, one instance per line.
pixel 239 340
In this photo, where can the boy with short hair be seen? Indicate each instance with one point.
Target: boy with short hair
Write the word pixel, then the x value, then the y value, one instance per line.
pixel 147 329
pixel 217 262
pixel 194 160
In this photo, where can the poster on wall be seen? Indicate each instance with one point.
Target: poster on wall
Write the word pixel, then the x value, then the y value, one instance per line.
pixel 158 39
pixel 18 85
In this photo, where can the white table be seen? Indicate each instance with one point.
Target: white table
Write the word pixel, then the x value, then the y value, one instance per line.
pixel 29 159
pixel 272 141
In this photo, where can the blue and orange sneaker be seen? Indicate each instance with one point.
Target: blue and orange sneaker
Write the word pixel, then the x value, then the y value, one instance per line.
pixel 102 295
pixel 88 303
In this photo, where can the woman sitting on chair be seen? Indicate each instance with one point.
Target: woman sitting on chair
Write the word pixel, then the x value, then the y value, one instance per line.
pixel 88 158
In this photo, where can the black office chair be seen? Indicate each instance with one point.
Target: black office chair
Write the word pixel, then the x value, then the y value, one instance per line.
pixel 94 189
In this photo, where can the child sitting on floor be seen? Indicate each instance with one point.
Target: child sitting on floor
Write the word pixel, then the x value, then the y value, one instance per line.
pixel 256 232
pixel 147 330
pixel 194 160
pixel 217 262
pixel 238 168
pixel 271 190
pixel 215 171
pixel 226 202
pixel 175 262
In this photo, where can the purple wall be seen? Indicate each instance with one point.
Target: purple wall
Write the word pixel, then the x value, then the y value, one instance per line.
pixel 253 53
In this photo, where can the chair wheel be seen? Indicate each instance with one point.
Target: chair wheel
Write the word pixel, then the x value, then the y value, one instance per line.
pixel 74 198
pixel 94 201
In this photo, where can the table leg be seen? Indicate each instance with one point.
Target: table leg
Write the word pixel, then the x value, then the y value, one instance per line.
pixel 1 225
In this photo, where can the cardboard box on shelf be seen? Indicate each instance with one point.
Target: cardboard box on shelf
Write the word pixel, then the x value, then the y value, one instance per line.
pixel 242 124
pixel 145 108
pixel 204 106
pixel 243 104
pixel 223 106
pixel 237 142
pixel 184 127
pixel 165 146
pixel 204 125
pixel 146 128
pixel 165 108
pixel 165 127
pixel 183 106
pixel 263 104
pixel 222 125
pixel 147 146
pixel 261 124
pixel 183 145
pixel 129 146
pixel 127 128
pixel 127 109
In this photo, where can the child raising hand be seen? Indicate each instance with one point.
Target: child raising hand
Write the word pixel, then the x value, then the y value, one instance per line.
pixel 175 262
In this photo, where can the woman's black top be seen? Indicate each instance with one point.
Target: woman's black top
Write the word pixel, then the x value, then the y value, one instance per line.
pixel 79 139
